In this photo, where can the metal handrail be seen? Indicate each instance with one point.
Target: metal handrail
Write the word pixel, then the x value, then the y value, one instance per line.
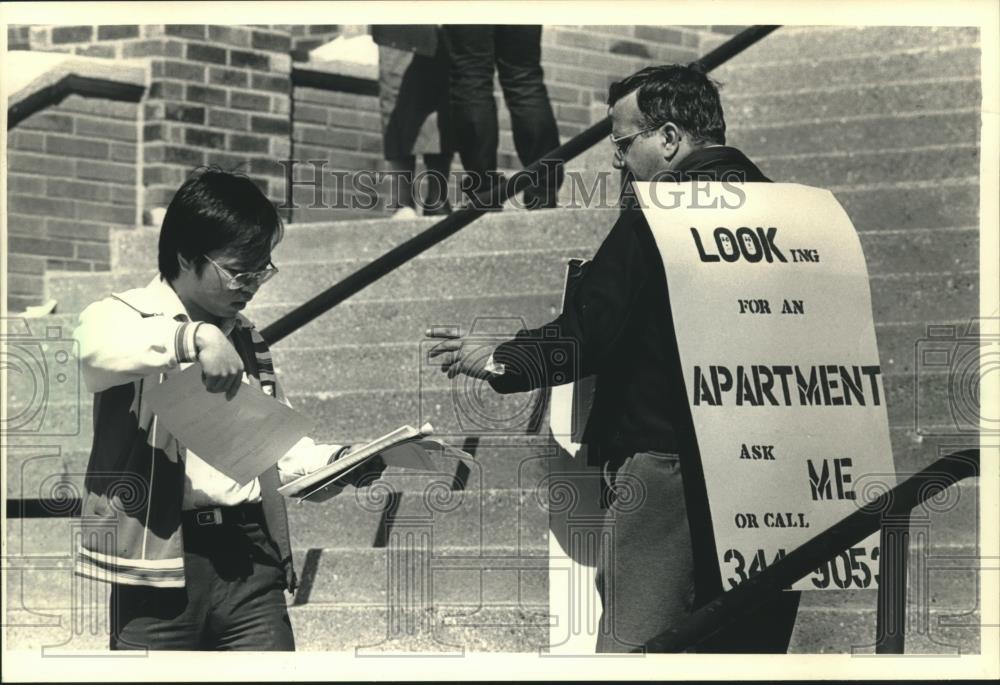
pixel 399 255
pixel 404 252
pixel 753 593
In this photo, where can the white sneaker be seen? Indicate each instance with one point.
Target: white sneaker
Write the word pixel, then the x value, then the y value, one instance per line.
pixel 404 213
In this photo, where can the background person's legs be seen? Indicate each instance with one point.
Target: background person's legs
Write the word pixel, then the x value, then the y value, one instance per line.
pixel 401 186
pixel 518 59
pixel 473 108
pixel 413 98
pixel 435 185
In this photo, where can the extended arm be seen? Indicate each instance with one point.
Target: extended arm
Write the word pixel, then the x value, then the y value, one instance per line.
pixel 580 339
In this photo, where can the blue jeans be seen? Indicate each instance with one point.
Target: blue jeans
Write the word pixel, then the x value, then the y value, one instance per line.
pixel 515 51
pixel 646 570
pixel 233 598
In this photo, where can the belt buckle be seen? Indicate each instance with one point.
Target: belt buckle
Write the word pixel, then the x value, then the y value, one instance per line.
pixel 209 517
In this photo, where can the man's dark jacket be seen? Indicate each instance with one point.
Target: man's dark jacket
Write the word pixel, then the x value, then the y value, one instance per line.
pixel 617 325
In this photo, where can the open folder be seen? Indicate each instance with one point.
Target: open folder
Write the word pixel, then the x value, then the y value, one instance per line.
pixel 405 447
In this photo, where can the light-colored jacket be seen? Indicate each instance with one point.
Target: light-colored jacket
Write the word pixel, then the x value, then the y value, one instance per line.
pixel 134 487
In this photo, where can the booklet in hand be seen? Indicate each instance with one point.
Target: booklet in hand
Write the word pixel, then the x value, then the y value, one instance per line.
pixel 406 447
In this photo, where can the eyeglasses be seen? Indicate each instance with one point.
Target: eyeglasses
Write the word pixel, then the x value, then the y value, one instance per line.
pixel 623 143
pixel 247 279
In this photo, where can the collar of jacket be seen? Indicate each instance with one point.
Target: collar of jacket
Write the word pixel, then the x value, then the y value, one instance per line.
pixel 719 158
pixel 158 298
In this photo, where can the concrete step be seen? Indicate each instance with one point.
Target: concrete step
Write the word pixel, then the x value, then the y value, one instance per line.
pixel 849 101
pixel 919 444
pixel 339 577
pixel 365 629
pixel 891 131
pixel 465 406
pixel 493 518
pixel 516 462
pixel 859 169
pixel 924 297
pixel 898 297
pixel 453 630
pixel 484 519
pixel 366 239
pixel 520 462
pixel 470 408
pixel 835 631
pixel 356 518
pixel 828 622
pixel 432 277
pixel 905 206
pixel 824 43
pixel 342 577
pixel 526 629
pixel 347 333
pixel 357 322
pixel 585 228
pixel 743 77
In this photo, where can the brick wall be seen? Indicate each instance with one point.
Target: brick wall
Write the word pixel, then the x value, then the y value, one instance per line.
pixel 71 172
pixel 345 131
pixel 310 37
pixel 218 95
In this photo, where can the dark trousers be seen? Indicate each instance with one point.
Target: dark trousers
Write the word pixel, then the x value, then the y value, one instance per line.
pixel 516 53
pixel 646 569
pixel 233 597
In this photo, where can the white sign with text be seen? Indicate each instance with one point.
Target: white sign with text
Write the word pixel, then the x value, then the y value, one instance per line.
pixel 772 311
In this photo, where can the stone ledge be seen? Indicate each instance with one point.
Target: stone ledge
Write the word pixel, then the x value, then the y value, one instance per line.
pixel 43 78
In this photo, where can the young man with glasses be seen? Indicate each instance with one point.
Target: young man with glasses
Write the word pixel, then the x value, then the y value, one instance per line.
pixel 196 560
pixel 667 124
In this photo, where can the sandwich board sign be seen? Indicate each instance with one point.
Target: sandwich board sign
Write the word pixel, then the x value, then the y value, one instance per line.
pixel 772 312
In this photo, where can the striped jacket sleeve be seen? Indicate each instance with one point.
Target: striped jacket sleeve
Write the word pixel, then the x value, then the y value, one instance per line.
pixel 118 345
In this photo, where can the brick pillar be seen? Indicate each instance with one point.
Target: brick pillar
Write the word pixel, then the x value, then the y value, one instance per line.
pixel 220 95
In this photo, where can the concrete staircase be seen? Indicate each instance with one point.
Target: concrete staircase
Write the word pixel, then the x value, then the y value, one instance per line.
pixel 456 560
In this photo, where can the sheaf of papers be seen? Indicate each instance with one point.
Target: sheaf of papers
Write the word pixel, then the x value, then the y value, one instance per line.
pixel 406 447
pixel 240 437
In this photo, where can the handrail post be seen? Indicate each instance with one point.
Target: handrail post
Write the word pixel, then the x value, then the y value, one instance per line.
pixel 894 544
pixel 399 255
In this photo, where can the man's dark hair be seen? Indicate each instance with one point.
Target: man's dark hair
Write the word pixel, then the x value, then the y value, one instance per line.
pixel 217 209
pixel 677 93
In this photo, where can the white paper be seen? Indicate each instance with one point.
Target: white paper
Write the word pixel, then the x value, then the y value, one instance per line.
pixel 240 437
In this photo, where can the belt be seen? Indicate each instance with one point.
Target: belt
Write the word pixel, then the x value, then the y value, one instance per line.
pixel 248 512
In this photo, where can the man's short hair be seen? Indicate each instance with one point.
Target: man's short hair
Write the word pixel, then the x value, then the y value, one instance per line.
pixel 677 93
pixel 216 209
